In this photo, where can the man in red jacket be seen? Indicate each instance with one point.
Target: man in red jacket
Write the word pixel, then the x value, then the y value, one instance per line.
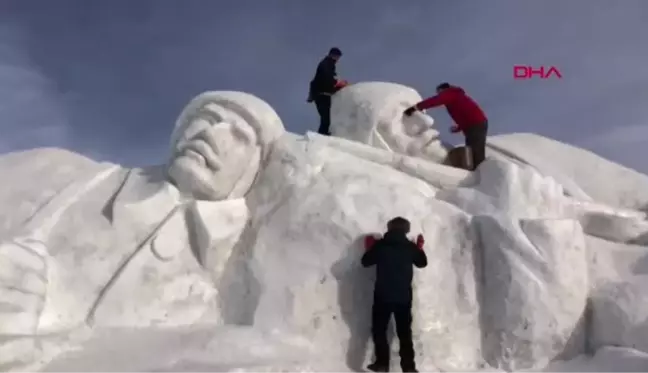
pixel 467 115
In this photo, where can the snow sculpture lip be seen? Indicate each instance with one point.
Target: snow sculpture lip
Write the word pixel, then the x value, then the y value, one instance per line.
pixel 218 143
pixel 205 149
pixel 372 113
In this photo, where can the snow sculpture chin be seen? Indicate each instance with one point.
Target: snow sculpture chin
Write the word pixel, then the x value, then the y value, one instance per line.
pixel 218 142
pixel 372 113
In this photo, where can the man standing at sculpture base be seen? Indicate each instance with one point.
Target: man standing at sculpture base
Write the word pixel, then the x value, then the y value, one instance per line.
pixel 469 118
pixel 323 86
pixel 393 255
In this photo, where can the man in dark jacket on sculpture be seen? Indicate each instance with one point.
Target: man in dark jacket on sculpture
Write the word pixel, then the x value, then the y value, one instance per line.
pixel 393 255
pixel 467 115
pixel 323 86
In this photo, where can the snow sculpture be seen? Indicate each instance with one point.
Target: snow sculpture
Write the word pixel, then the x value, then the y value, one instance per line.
pixel 372 113
pixel 619 314
pixel 534 291
pixel 261 229
pixel 122 246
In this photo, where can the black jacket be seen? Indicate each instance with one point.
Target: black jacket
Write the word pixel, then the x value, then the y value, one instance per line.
pixel 394 255
pixel 325 78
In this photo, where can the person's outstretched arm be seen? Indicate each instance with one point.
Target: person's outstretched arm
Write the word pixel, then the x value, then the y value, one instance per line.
pixel 420 259
pixel 370 257
pixel 441 99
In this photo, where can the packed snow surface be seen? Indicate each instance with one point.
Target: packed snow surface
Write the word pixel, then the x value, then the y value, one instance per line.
pixel 241 252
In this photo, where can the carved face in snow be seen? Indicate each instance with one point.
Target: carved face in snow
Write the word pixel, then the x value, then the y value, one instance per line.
pixel 372 113
pixel 218 142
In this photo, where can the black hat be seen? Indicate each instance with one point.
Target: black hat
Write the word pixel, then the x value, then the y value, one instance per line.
pixel 399 224
pixel 335 51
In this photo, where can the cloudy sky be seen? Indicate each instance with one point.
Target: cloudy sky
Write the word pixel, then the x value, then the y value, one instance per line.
pixel 108 78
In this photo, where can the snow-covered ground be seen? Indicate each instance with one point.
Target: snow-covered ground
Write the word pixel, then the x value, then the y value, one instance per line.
pixel 241 253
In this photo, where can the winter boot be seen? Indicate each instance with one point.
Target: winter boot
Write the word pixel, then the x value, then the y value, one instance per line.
pixel 375 367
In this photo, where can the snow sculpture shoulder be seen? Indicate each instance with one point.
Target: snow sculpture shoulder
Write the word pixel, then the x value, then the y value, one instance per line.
pixel 218 143
pixel 20 195
pixel 372 113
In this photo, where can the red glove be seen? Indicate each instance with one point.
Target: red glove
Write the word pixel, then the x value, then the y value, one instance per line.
pixel 454 129
pixel 420 241
pixel 341 84
pixel 369 241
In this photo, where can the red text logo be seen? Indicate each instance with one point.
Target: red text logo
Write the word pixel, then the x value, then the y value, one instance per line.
pixel 542 72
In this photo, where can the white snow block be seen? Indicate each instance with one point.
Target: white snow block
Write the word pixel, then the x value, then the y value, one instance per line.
pixel 611 262
pixel 534 292
pixel 308 245
pixel 606 359
pixel 23 285
pixel 521 191
pixel 617 359
pixel 172 237
pixel 34 177
pixel 446 326
pixel 620 314
pixel 15 351
pixel 436 174
pixel 579 170
pixel 162 284
pixel 505 188
pixel 143 198
pixel 217 227
pixel 198 348
pixel 615 227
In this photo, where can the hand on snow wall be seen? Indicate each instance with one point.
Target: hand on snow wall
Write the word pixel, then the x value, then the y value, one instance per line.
pixel 370 240
pixel 420 241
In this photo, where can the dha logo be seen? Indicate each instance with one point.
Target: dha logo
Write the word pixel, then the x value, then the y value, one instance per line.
pixel 528 72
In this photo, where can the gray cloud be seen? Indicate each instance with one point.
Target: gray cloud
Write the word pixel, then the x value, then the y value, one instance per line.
pixel 111 76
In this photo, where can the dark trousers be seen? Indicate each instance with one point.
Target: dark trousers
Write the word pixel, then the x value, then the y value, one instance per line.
pixel 323 104
pixel 476 140
pixel 380 315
